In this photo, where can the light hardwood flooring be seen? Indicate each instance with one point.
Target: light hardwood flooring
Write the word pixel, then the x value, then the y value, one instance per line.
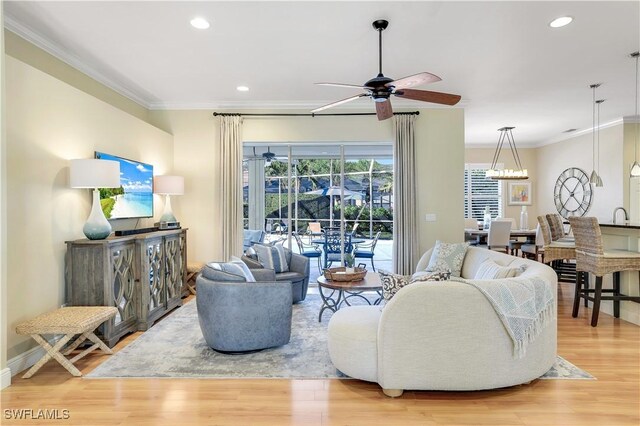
pixel 610 352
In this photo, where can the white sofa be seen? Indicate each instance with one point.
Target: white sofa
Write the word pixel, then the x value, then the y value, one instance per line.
pixel 440 336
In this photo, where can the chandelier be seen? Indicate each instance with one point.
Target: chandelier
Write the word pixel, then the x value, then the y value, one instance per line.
pixel 507 174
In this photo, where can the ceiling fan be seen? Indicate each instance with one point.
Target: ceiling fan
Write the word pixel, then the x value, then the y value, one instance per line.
pixel 381 88
pixel 268 156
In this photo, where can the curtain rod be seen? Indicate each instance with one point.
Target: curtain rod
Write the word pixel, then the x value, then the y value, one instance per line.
pixel 232 114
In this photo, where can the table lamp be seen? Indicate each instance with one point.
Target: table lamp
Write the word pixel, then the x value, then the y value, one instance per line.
pixel 168 186
pixel 91 173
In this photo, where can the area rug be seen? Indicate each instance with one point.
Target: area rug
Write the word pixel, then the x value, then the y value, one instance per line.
pixel 175 348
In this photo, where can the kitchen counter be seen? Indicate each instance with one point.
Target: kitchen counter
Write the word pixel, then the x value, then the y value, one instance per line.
pixel 624 236
pixel 625 225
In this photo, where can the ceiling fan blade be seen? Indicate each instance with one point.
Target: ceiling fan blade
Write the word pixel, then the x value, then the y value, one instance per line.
pixel 343 101
pixel 351 86
pixel 414 80
pixel 427 96
pixel 384 110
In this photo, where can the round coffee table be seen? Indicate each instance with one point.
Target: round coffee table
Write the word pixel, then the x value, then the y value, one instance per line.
pixel 339 292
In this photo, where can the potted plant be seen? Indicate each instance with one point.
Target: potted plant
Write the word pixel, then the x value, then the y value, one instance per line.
pixel 349 261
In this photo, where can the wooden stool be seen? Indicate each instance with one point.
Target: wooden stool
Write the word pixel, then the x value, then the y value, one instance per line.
pixel 193 270
pixel 591 257
pixel 69 321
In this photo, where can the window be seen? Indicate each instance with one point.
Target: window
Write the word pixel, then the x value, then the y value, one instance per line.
pixel 481 191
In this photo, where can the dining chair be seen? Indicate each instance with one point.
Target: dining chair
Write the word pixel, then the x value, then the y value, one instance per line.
pixel 499 233
pixel 536 250
pixel 334 244
pixel 591 257
pixel 309 250
pixel 367 250
pixel 514 245
pixel 470 223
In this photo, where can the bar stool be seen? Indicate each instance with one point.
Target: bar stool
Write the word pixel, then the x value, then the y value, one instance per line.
pixel 556 226
pixel 534 251
pixel 591 257
pixel 554 250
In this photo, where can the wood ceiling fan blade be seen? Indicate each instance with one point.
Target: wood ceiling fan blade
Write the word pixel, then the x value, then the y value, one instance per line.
pixel 351 86
pixel 427 96
pixel 384 110
pixel 414 80
pixel 343 101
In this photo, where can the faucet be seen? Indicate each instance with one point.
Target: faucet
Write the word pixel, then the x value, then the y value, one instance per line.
pixel 626 215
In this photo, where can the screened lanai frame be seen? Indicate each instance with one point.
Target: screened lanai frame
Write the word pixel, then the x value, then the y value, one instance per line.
pixel 289 184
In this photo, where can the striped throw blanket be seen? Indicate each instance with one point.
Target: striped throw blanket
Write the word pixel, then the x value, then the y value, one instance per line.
pixel 524 305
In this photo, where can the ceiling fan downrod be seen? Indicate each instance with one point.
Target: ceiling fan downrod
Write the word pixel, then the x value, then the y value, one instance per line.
pixel 380 25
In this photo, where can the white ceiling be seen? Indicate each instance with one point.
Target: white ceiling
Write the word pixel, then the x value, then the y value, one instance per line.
pixel 510 67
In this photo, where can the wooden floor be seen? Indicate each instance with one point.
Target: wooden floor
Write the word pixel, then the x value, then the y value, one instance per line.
pixel 610 352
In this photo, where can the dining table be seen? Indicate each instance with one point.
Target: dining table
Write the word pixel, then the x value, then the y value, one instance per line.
pixel 481 234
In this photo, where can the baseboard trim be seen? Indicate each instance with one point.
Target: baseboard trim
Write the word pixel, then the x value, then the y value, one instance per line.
pixel 29 358
pixel 5 378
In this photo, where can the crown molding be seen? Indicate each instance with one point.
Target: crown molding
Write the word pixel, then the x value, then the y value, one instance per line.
pixel 282 105
pixel 581 132
pixel 73 61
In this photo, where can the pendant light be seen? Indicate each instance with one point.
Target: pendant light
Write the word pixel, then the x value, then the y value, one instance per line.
pixel 635 167
pixel 507 174
pixel 594 178
pixel 599 183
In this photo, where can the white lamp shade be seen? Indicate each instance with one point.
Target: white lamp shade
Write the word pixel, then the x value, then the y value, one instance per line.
pixel 93 173
pixel 168 185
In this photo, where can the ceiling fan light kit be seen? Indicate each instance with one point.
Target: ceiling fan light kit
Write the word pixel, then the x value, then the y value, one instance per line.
pixel 507 174
pixel 380 88
pixel 635 167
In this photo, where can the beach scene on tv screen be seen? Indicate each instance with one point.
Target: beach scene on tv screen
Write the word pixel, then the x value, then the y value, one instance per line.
pixel 134 197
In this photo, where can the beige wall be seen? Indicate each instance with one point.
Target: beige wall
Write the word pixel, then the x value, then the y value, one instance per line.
pixel 440 153
pixel 577 152
pixel 49 123
pixel 528 158
pixel 26 52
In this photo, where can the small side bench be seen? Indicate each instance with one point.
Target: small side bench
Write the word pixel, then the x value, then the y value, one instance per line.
pixel 193 270
pixel 70 321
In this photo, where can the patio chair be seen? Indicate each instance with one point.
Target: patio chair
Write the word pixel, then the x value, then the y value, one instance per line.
pixel 314 229
pixel 309 250
pixel 367 250
pixel 333 246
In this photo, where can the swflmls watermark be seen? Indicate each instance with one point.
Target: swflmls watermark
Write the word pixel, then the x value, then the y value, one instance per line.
pixel 37 414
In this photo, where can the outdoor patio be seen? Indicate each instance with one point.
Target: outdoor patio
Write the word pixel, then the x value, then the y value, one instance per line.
pixel 382 257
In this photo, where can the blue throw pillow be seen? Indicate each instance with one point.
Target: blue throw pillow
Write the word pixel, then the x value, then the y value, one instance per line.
pixel 272 257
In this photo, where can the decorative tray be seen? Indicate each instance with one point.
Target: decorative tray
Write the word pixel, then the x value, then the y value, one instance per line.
pixel 340 274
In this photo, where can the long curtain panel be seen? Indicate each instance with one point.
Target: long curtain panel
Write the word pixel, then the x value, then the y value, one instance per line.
pixel 231 169
pixel 405 244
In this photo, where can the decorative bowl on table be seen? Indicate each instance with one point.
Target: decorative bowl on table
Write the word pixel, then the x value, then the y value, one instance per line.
pixel 341 274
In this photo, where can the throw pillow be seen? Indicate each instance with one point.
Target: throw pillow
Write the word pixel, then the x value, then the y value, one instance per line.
pixel 447 257
pixel 392 283
pixel 228 271
pixel 272 257
pixel 251 253
pixel 490 270
pixel 431 276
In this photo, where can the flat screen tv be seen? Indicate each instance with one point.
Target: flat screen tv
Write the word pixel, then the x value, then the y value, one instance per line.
pixel 134 198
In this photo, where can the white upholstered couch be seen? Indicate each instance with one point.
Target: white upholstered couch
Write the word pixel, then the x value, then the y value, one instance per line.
pixel 440 336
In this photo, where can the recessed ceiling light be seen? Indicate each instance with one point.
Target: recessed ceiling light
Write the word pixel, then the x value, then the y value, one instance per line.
pixel 242 89
pixel 200 23
pixel 560 22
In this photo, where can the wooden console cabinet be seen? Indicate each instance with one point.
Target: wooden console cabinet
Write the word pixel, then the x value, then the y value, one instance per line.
pixel 141 275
